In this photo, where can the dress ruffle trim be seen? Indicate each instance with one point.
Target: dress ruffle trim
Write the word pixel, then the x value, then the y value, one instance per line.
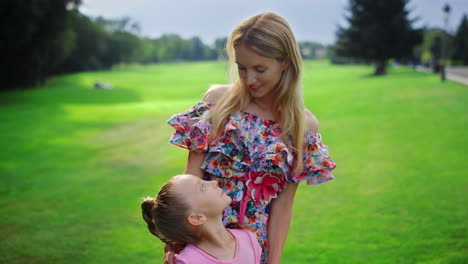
pixel 249 143
pixel 192 129
pixel 246 156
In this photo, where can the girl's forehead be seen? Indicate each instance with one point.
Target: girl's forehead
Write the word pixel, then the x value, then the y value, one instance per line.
pixel 185 184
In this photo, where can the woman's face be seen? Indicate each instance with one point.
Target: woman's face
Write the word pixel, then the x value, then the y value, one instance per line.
pixel 258 73
pixel 202 196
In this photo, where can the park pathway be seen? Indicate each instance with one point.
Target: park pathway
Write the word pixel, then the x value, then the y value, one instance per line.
pixel 458 74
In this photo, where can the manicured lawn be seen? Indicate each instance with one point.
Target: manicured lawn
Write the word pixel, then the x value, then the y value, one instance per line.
pixel 75 163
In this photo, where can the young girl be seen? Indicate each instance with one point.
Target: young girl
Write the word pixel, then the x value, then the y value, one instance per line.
pixel 188 210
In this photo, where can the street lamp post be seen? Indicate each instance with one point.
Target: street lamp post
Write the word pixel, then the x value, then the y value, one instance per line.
pixel 446 11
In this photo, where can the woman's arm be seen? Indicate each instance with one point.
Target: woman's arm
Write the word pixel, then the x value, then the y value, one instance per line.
pixel 280 217
pixel 195 160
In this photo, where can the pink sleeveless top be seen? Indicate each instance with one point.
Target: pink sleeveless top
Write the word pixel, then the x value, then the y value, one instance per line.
pixel 248 251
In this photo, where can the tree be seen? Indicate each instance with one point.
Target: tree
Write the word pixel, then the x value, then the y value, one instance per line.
pixel 124 47
pixel 90 49
pixel 436 53
pixel 124 44
pixel 220 48
pixel 37 37
pixel 194 49
pixel 378 31
pixel 169 47
pixel 148 51
pixel 460 51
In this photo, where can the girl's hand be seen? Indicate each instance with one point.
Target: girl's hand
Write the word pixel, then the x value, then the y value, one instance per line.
pixel 169 254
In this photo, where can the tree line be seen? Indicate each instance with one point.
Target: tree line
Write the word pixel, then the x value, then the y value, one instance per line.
pixel 379 31
pixel 47 37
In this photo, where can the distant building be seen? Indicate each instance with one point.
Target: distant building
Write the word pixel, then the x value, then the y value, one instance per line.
pixel 306 52
pixel 320 53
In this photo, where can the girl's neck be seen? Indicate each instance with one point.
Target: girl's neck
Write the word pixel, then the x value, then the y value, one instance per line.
pixel 217 241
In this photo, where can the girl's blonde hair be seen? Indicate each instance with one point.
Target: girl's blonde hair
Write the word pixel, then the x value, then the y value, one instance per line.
pixel 270 36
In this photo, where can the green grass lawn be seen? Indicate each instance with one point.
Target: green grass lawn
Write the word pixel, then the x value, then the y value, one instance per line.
pixel 75 163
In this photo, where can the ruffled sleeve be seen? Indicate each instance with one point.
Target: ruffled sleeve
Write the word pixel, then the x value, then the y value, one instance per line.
pixel 317 163
pixel 193 130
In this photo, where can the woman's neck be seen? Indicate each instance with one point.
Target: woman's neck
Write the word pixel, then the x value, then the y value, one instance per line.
pixel 265 108
pixel 217 240
pixel 266 103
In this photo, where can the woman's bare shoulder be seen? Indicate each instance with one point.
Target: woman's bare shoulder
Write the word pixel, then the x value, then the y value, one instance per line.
pixel 215 92
pixel 311 122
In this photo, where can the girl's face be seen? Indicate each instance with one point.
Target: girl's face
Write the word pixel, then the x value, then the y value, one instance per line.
pixel 203 196
pixel 259 74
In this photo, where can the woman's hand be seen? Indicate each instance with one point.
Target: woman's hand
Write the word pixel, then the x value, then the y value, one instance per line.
pixel 169 253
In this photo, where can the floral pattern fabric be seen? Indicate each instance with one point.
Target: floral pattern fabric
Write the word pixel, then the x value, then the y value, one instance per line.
pixel 250 161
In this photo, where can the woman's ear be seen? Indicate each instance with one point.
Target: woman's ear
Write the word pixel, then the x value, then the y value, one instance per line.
pixel 285 63
pixel 196 219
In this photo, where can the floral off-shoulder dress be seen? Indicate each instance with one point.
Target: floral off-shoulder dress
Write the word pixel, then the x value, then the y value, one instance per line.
pixel 250 161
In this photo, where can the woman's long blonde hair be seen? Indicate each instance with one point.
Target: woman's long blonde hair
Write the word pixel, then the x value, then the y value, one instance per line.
pixel 270 36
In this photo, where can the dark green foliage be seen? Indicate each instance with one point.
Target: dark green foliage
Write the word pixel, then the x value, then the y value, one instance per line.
pixel 44 37
pixel 37 37
pixel 460 52
pixel 171 47
pixel 436 52
pixel 47 37
pixel 429 52
pixel 219 47
pixel 91 46
pixel 378 31
pixel 101 43
pixel 195 49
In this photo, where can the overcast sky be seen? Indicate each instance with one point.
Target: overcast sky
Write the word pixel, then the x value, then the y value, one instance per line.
pixel 311 20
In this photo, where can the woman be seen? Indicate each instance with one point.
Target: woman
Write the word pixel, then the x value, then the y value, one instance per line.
pixel 254 136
